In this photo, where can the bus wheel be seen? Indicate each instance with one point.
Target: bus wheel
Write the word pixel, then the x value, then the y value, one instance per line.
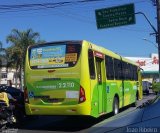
pixel 115 106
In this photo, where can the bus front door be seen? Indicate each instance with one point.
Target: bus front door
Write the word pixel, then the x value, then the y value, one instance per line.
pixel 100 84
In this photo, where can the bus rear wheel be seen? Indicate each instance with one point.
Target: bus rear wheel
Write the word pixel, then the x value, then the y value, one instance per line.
pixel 115 106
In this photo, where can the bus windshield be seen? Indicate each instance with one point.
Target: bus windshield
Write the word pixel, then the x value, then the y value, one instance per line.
pixel 53 55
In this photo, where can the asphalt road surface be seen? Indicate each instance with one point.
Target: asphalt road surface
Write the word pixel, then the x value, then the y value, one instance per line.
pixel 51 124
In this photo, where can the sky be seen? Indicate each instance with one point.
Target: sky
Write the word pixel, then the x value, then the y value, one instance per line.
pixel 77 21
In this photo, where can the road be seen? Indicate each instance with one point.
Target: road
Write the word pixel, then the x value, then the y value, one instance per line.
pixel 56 124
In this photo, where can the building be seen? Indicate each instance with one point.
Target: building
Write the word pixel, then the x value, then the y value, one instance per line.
pixel 149 66
pixel 8 77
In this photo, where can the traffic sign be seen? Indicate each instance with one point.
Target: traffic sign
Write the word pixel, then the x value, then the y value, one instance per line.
pixel 115 16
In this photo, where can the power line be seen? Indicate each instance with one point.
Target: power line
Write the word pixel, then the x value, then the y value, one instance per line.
pixel 67 13
pixel 41 5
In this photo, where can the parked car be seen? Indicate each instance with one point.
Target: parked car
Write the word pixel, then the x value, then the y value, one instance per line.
pixel 146 86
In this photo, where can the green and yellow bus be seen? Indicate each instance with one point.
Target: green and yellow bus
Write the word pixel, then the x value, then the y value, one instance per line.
pixel 78 78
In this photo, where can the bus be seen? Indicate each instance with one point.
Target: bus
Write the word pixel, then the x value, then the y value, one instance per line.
pixel 78 78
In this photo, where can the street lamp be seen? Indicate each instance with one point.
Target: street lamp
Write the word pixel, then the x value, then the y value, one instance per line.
pixel 151 42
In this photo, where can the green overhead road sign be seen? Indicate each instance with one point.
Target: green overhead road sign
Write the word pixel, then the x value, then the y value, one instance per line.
pixel 115 16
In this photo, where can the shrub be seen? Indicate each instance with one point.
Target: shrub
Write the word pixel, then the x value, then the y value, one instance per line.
pixel 156 87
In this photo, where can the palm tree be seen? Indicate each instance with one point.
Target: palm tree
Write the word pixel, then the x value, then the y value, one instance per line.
pixel 20 40
pixel 2 55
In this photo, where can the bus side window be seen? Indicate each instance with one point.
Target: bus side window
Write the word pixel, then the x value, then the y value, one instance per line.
pixel 118 69
pixel 91 64
pixel 109 68
pixel 125 71
pixel 131 72
pixel 135 69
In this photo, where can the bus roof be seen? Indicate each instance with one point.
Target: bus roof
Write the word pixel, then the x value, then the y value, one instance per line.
pixel 54 42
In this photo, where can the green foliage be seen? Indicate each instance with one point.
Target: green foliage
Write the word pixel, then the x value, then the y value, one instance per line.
pixel 3 60
pixel 156 87
pixel 19 41
pixel 14 56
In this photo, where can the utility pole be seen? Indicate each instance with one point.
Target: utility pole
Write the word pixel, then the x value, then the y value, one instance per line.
pixel 158 30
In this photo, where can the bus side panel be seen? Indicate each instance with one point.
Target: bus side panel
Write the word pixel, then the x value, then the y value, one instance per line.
pixel 98 98
pixel 85 78
pixel 134 91
pixel 139 84
pixel 94 99
pixel 130 90
pixel 113 88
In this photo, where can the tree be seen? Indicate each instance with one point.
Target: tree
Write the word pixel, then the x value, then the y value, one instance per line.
pixel 0 54
pixel 3 60
pixel 20 40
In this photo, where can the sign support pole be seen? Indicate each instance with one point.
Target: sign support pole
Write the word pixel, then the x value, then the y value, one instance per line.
pixel 158 34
